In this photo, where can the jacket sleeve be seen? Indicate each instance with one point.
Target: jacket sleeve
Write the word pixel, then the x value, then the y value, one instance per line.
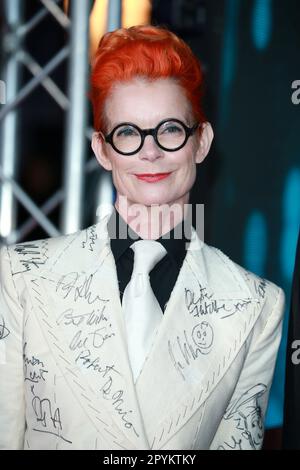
pixel 242 425
pixel 12 408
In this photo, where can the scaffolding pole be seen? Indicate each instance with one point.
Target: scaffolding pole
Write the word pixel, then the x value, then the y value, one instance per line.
pixel 9 125
pixel 75 103
pixel 114 15
pixel 76 124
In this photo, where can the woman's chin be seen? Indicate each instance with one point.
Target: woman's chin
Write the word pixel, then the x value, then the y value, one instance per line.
pixel 153 198
pixel 156 200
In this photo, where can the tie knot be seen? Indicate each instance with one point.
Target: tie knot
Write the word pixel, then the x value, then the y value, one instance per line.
pixel 147 253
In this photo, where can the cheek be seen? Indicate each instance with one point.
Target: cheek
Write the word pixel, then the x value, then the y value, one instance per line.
pixel 119 166
pixel 187 166
pixel 186 156
pixel 123 180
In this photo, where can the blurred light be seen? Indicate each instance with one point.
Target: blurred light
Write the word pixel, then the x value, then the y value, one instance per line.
pixel 229 57
pixel 134 12
pixel 261 23
pixel 104 195
pixel 255 247
pixel 98 22
pixel 290 219
pixel 290 222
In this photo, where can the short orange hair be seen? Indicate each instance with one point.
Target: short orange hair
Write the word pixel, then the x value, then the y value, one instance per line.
pixel 150 52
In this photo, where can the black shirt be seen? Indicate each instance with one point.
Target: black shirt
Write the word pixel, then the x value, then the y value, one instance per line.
pixel 164 274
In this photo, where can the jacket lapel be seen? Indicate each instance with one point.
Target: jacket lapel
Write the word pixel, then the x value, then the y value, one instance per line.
pixel 80 315
pixel 208 318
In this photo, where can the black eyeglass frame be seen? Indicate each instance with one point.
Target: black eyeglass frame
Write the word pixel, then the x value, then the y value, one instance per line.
pixel 144 132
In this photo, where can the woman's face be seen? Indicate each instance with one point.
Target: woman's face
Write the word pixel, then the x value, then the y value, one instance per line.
pixel 146 104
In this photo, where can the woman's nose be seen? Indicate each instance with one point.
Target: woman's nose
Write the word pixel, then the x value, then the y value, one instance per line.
pixel 150 150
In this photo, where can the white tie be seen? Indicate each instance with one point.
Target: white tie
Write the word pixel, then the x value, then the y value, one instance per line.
pixel 141 309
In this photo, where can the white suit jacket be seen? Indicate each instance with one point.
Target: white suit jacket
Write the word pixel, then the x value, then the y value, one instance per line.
pixel 65 377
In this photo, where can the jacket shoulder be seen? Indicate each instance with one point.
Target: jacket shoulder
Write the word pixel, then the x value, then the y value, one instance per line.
pixel 258 286
pixel 35 255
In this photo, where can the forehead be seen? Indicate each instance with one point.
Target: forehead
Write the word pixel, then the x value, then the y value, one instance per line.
pixel 145 103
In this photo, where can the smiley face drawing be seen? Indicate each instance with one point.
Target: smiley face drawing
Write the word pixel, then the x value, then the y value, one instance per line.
pixel 203 336
pixel 247 427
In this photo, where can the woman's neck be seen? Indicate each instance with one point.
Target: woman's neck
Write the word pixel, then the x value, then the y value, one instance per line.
pixel 151 222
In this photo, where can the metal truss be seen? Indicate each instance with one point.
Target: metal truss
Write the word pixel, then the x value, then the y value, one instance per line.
pixel 76 50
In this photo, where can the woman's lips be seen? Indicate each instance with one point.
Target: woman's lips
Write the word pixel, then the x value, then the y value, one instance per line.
pixel 152 177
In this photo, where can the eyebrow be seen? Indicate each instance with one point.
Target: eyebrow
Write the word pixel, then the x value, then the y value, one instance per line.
pixel 185 120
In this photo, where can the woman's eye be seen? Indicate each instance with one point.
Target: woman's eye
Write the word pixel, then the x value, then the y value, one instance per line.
pixel 125 132
pixel 171 129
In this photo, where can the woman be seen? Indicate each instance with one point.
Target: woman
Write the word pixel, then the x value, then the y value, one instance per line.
pixel 94 353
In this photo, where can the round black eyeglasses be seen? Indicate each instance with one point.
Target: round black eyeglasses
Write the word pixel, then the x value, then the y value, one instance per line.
pixel 170 135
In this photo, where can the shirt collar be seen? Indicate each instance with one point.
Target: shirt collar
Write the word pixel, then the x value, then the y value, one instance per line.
pixel 122 236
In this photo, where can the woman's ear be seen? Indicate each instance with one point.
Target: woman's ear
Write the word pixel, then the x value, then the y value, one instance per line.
pixel 98 146
pixel 205 140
